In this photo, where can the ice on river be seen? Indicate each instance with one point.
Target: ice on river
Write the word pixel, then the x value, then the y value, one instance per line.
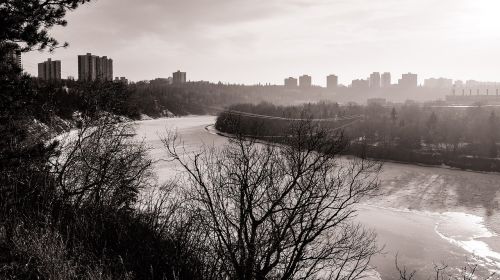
pixel 426 215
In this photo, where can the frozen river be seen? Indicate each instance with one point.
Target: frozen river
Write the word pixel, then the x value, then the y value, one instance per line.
pixel 426 215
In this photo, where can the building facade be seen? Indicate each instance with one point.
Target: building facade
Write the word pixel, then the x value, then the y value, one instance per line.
pixel 11 56
pixel 92 68
pixel 386 80
pixel 408 81
pixel 332 82
pixel 375 80
pixel 438 83
pixel 291 82
pixel 305 81
pixel 179 77
pixel 15 56
pixel 161 81
pixel 104 67
pixel 50 70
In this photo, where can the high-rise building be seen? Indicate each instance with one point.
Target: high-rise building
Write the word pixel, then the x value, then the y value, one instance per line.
pixel 408 81
pixel 12 55
pixel 49 70
pixel 375 80
pixel 87 67
pixel 41 71
pixel 16 58
pixel 291 82
pixel 179 77
pixel 305 81
pixel 102 68
pixel 332 82
pixel 386 80
pixel 91 68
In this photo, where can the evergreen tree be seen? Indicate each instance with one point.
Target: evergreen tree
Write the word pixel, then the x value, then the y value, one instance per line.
pixel 493 135
pixel 394 115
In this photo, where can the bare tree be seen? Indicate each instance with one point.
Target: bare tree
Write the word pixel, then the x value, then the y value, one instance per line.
pixel 102 165
pixel 282 212
pixel 444 272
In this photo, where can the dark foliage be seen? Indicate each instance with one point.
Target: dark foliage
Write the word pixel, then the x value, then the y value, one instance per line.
pixel 68 210
pixel 28 22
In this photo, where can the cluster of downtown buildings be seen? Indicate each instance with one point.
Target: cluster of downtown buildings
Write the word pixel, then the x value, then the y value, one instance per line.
pixel 379 86
pixel 378 80
pixel 375 81
pixel 90 68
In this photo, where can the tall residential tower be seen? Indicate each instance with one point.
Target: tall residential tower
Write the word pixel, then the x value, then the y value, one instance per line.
pixel 92 68
pixel 49 70
pixel 375 80
pixel 332 82
pixel 305 81
pixel 408 81
pixel 179 77
pixel 386 80
pixel 290 82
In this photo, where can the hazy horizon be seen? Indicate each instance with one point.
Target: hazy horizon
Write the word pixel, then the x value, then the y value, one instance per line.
pixel 266 41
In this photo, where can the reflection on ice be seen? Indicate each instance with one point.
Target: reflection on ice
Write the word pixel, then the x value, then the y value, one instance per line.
pixel 469 233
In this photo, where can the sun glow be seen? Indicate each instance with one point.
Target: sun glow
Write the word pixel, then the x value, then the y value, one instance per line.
pixel 482 17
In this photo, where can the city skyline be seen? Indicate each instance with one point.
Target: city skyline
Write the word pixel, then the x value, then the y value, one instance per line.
pixel 350 38
pixel 103 69
pixel 323 81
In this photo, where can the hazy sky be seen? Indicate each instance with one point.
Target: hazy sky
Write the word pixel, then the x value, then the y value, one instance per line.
pixel 252 41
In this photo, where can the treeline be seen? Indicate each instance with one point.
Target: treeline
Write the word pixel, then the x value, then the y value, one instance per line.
pixel 65 98
pixel 42 100
pixel 460 137
pixel 156 98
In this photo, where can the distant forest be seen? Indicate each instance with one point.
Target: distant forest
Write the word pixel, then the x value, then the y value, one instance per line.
pixel 465 138
pixel 45 99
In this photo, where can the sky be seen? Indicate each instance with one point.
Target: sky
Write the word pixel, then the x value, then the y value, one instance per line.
pixel 265 41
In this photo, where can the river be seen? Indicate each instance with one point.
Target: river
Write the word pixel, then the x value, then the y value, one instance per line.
pixel 425 215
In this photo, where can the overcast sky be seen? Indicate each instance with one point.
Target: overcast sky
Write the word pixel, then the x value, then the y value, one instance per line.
pixel 252 41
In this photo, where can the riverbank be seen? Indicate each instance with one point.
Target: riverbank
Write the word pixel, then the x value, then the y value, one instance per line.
pixel 410 133
pixel 391 154
pixel 425 158
pixel 424 214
